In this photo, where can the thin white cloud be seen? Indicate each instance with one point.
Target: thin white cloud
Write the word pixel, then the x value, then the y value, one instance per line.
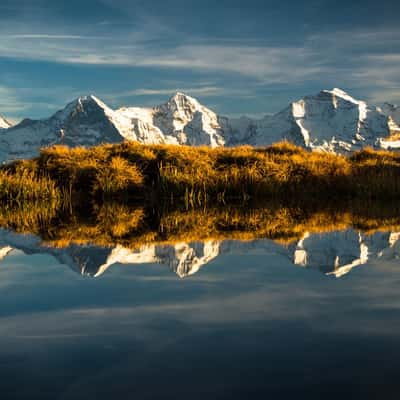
pixel 210 91
pixel 207 91
pixel 53 37
pixel 273 64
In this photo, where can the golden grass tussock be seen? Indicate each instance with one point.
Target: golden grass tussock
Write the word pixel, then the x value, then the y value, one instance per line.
pixel 118 176
pixel 23 184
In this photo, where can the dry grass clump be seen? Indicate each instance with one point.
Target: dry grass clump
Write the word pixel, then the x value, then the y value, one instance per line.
pixel 376 173
pixel 22 183
pixel 118 176
pixel 93 172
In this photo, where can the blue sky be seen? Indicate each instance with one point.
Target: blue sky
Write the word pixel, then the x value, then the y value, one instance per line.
pixel 237 57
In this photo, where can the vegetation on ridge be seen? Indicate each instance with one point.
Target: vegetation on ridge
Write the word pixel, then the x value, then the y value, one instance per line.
pixel 199 175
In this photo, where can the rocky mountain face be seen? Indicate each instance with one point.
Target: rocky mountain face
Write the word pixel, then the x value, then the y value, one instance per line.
pixel 182 120
pixel 392 112
pixel 333 253
pixel 84 122
pixel 329 121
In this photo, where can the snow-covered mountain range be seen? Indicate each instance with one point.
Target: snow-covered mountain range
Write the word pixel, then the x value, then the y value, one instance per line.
pixel 331 121
pixel 334 253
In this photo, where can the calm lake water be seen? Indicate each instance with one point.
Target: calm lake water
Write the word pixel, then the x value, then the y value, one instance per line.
pixel 319 318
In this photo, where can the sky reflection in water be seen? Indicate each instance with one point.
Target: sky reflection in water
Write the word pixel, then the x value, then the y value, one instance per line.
pixel 249 323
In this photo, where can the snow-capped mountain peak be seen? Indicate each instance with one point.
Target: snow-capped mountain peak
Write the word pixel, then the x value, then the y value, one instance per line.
pixel 4 124
pixel 178 111
pixel 83 104
pixel 342 94
pixel 182 103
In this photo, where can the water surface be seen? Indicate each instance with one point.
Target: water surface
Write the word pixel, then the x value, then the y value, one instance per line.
pixel 314 318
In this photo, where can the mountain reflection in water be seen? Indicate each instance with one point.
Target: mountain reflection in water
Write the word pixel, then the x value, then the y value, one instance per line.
pixel 333 242
pixel 246 321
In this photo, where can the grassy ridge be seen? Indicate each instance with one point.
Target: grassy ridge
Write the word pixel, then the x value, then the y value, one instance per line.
pixel 200 175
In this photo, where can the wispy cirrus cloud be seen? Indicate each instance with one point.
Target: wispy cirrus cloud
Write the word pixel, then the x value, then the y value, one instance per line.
pixel 352 55
pixel 208 91
pixel 254 61
pixel 365 61
pixel 52 37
